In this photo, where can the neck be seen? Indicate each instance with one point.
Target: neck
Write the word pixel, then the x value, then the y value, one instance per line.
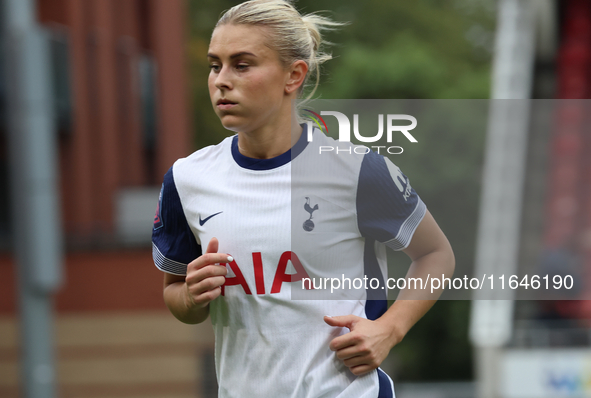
pixel 271 140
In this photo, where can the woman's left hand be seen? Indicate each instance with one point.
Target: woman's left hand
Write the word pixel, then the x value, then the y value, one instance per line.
pixel 365 346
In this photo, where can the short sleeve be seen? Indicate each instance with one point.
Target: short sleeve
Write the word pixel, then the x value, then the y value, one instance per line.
pixel 173 242
pixel 388 208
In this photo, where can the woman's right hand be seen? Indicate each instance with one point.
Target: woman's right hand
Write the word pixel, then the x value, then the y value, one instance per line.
pixel 205 276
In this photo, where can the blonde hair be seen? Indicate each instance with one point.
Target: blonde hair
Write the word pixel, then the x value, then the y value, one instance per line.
pixel 294 36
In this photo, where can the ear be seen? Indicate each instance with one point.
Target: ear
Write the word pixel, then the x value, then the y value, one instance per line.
pixel 297 74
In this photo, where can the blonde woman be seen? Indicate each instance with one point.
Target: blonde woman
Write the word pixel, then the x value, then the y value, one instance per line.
pixel 236 199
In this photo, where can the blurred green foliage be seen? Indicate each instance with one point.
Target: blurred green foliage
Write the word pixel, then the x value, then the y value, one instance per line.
pixel 399 49
pixel 390 49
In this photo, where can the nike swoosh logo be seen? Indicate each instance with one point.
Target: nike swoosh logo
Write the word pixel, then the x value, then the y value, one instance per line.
pixel 201 222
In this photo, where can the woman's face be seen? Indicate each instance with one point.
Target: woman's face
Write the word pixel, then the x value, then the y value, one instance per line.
pixel 247 81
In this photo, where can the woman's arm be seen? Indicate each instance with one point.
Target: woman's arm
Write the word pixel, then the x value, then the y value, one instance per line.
pixel 369 342
pixel 188 297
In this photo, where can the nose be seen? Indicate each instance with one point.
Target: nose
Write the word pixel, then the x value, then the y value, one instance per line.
pixel 223 79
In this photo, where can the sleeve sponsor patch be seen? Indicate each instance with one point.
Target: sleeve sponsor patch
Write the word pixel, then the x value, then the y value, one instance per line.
pixel 157 218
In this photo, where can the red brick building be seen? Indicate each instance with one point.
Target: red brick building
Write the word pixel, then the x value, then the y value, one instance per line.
pixel 121 103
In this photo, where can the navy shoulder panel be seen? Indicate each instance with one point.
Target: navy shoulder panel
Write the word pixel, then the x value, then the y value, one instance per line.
pixel 173 242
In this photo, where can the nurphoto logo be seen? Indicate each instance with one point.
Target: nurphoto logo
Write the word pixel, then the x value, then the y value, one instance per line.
pixel 392 126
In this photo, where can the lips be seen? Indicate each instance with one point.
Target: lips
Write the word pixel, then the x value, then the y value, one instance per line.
pixel 224 101
pixel 225 104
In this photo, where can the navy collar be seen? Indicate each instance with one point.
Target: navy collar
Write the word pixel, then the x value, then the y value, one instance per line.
pixel 267 164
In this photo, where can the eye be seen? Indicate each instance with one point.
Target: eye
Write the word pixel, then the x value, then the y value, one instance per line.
pixel 214 67
pixel 242 66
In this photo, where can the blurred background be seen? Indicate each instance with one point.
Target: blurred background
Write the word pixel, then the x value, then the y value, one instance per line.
pixel 99 97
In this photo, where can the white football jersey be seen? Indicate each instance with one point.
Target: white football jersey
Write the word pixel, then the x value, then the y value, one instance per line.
pixel 304 214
